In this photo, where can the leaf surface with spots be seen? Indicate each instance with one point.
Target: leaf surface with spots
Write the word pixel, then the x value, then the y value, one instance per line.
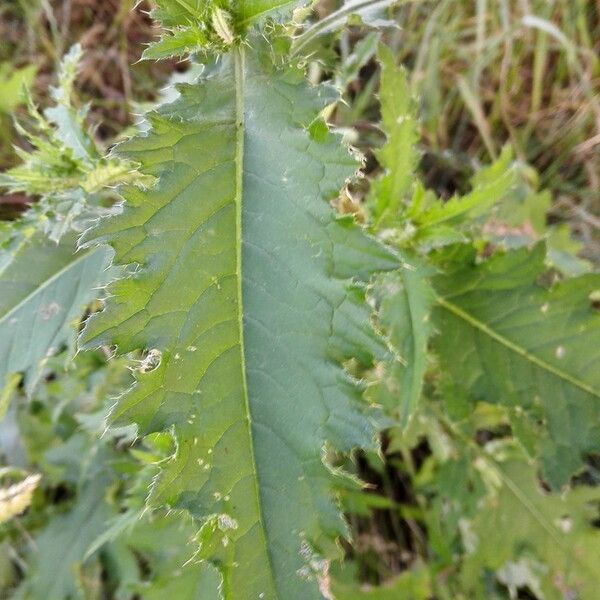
pixel 249 294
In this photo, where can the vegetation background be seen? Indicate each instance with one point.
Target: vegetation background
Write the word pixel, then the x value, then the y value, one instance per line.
pixel 486 73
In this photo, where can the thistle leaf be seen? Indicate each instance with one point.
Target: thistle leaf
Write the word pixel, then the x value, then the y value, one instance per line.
pixel 246 301
pixel 196 25
pixel 399 156
pixel 506 339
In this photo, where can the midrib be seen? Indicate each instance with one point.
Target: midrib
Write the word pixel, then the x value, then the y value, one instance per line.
pixel 239 75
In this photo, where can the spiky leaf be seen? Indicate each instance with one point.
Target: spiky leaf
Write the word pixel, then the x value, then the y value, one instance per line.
pixel 195 25
pixel 399 156
pixel 244 297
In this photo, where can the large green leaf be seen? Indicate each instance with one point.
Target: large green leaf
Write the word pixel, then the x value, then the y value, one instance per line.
pixel 504 338
pixel 244 299
pixel 45 287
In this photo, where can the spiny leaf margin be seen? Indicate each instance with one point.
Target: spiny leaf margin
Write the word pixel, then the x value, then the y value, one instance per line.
pixel 242 165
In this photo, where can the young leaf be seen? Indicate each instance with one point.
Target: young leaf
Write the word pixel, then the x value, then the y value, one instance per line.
pixel 439 223
pixel 197 25
pixel 244 297
pixel 504 338
pixel 399 156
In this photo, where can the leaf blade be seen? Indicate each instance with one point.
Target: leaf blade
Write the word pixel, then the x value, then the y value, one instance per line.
pixel 243 294
pixel 503 338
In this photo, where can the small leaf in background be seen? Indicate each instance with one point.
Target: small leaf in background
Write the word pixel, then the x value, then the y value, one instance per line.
pixel 524 523
pixel 410 585
pixel 435 221
pixel 45 288
pixel 59 549
pixel 399 156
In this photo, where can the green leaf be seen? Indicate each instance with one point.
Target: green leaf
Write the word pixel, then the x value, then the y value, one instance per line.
pixel 504 338
pixel 245 300
pixel 64 163
pixel 410 585
pixel 563 251
pixel 179 41
pixel 45 287
pixel 399 156
pixel 70 129
pixel 405 299
pixel 164 541
pixel 436 222
pixel 174 13
pixel 522 521
pixel 191 26
pixel 253 11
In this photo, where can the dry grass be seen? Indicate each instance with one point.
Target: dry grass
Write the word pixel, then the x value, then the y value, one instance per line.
pixel 524 72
